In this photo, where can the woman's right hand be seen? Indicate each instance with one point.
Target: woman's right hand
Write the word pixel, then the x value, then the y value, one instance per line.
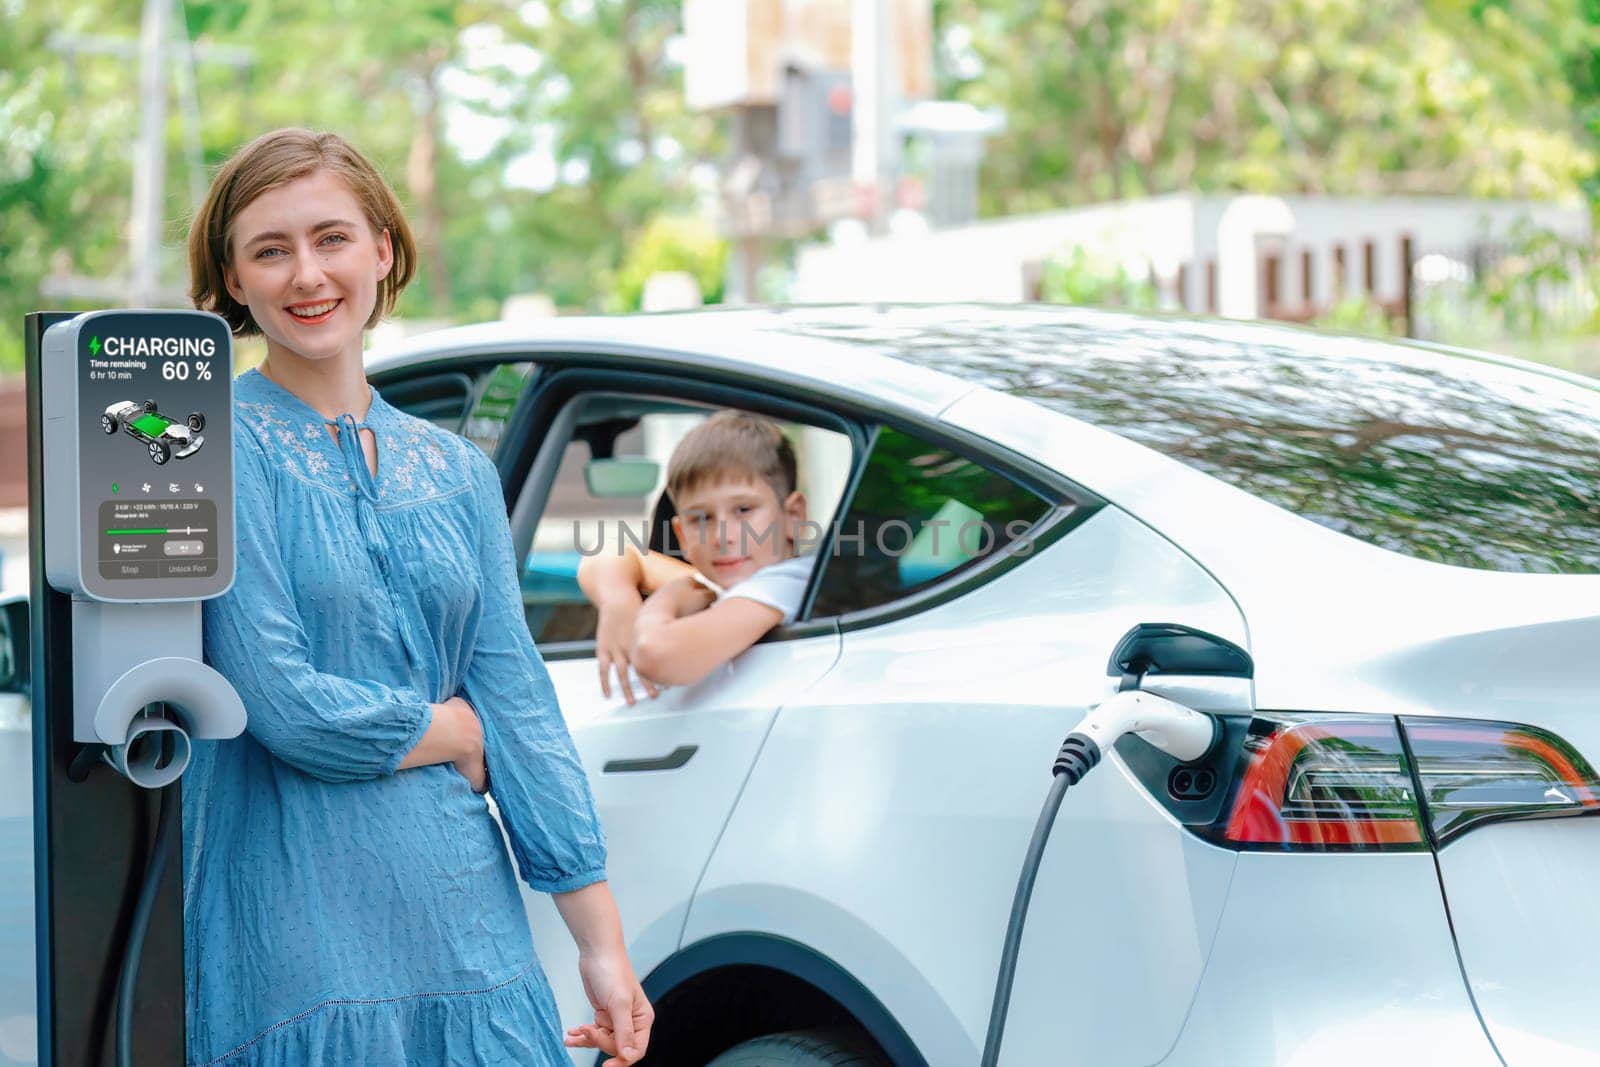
pixel 454 736
pixel 468 731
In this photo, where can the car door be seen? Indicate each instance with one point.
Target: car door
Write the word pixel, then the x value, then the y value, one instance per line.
pixel 665 771
pixel 885 822
pixel 18 997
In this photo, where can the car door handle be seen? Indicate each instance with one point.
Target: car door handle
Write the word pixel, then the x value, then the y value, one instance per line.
pixel 670 762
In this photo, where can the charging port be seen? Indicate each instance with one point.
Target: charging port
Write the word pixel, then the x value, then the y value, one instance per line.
pixel 1191 783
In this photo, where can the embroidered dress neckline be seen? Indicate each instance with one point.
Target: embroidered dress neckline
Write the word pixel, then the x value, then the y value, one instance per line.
pixel 374 403
pixel 347 445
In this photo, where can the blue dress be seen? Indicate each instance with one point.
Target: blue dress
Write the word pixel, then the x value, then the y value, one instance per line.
pixel 337 911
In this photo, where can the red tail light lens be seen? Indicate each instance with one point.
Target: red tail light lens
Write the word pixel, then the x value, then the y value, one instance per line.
pixel 1322 783
pixel 1474 772
pixel 1354 783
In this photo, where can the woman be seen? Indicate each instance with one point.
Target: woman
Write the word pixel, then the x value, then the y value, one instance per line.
pixel 347 895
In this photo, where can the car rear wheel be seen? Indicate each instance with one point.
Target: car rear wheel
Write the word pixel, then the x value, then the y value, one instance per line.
pixel 108 424
pixel 159 452
pixel 833 1047
pixel 196 421
pixel 149 406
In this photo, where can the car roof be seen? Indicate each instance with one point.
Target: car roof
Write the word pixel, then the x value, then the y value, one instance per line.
pixel 914 345
pixel 963 363
pixel 743 341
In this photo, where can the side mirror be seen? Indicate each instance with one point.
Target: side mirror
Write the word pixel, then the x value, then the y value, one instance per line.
pixel 630 477
pixel 1168 648
pixel 14 649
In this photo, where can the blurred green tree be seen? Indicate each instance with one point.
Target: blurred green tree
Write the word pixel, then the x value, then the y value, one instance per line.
pixel 1110 98
pixel 535 140
pixel 575 135
pixel 683 244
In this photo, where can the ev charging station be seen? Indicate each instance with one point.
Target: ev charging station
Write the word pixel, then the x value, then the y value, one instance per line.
pixel 131 526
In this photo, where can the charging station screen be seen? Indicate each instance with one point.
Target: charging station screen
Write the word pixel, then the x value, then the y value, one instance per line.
pixel 156 455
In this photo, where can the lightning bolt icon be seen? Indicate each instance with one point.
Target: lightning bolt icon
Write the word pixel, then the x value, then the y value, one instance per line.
pixel 94 346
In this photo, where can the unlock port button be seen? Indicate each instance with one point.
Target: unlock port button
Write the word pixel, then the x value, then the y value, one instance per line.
pixel 184 548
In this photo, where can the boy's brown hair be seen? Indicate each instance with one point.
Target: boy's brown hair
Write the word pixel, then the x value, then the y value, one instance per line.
pixel 733 444
pixel 275 159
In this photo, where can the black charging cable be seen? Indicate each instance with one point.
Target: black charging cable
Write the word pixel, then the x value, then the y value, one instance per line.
pixel 166 823
pixel 1076 758
pixel 1191 736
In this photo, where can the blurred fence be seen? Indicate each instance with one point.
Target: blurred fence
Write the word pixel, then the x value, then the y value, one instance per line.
pixel 1489 291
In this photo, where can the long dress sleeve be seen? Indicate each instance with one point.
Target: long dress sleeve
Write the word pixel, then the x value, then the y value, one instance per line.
pixel 334 728
pixel 535 776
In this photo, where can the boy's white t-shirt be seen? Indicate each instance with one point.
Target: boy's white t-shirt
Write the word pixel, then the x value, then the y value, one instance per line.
pixel 780 585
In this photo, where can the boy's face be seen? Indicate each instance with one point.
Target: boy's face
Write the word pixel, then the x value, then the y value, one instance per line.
pixel 731 528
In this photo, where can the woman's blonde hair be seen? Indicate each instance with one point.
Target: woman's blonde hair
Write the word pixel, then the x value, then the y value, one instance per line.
pixel 275 159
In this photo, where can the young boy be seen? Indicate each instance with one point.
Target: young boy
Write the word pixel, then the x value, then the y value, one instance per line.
pixel 732 482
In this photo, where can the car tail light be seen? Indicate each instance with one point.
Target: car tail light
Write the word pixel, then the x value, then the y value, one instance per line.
pixel 1472 772
pixel 1357 783
pixel 1322 782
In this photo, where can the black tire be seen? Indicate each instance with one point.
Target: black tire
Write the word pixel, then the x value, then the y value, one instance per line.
pixel 833 1047
pixel 160 453
pixel 108 423
pixel 149 406
pixel 196 421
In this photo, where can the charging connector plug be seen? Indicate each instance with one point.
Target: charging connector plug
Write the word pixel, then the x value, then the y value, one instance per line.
pixel 1077 757
pixel 1183 733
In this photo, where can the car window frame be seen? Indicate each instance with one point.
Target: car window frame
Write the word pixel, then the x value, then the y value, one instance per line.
pixel 475 369
pixel 1067 506
pixel 553 405
pixel 555 374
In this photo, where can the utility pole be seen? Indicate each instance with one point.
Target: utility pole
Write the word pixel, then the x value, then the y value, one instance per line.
pixel 150 163
pixel 874 82
pixel 142 286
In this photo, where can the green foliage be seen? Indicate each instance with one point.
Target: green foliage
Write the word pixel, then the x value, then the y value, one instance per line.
pixel 603 105
pixel 1076 277
pixel 1539 263
pixel 683 244
pixel 1357 314
pixel 1107 98
pixel 1104 98
pixel 1537 297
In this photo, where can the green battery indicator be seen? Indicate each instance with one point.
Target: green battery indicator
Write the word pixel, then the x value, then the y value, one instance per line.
pixel 150 531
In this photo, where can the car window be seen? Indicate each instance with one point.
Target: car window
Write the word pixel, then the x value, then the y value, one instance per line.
pixel 1437 455
pixel 920 514
pixel 497 397
pixel 609 491
pixel 476 404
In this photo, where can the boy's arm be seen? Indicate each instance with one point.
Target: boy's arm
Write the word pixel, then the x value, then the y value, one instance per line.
pixel 614 584
pixel 606 574
pixel 680 636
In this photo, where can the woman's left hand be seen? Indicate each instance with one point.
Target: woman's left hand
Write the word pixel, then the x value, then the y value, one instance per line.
pixel 622 1013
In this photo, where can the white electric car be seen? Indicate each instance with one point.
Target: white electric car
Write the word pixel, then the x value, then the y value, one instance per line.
pixel 1386 857
pixel 1379 863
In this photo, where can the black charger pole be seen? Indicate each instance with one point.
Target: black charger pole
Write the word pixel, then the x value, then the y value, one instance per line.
pixel 93 832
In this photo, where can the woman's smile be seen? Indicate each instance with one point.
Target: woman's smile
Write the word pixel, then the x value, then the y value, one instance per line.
pixel 313 313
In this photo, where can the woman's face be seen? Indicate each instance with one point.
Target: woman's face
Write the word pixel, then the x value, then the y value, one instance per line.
pixel 307 264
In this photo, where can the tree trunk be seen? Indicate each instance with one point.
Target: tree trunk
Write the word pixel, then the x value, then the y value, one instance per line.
pixel 422 176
